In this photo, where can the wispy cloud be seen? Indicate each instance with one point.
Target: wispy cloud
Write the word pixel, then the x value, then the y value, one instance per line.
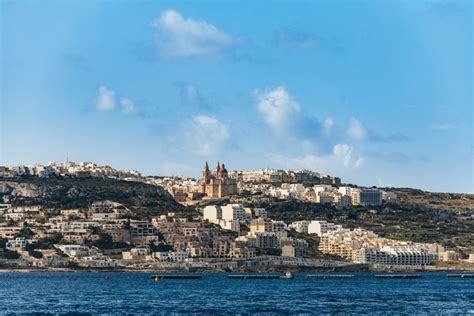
pixel 205 135
pixel 442 127
pixel 127 106
pixel 356 130
pixel 341 157
pixel 191 95
pixel 106 102
pixel 179 37
pixel 289 38
pixel 328 125
pixel 277 107
pixel 396 157
pixel 291 125
pixel 449 9
pixel 106 99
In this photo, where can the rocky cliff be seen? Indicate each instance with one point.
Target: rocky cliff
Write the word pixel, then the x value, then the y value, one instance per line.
pixel 63 192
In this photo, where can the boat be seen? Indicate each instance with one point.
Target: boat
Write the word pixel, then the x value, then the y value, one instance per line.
pixel 329 276
pixel 160 277
pixel 288 275
pixel 461 275
pixel 261 276
pixel 398 276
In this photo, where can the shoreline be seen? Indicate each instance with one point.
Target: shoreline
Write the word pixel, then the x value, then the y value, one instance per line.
pixel 66 270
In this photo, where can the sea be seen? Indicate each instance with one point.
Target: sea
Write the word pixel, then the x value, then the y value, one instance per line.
pixel 132 293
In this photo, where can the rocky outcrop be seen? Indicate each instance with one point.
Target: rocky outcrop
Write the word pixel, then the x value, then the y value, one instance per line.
pixel 63 192
pixel 19 189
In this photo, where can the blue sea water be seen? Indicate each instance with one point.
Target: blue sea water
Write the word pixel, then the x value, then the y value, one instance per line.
pixel 136 293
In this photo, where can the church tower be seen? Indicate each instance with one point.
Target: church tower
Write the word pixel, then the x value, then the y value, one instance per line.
pixel 206 173
pixel 217 184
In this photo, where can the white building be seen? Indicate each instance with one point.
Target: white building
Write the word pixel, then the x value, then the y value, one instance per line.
pixel 16 243
pixel 321 227
pixel 300 226
pixel 230 225
pixel 212 213
pixel 103 217
pixel 398 255
pixel 390 197
pixel 233 212
pixel 355 196
pixel 76 251
pixel 171 256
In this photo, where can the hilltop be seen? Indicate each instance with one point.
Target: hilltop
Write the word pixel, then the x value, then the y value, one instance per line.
pixel 458 202
pixel 69 192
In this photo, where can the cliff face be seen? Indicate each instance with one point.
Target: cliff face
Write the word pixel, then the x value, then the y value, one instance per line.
pixel 62 193
pixel 19 189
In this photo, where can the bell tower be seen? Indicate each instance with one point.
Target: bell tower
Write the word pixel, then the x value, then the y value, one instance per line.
pixel 206 173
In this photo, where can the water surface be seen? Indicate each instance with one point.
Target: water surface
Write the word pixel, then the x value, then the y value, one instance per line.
pixel 132 293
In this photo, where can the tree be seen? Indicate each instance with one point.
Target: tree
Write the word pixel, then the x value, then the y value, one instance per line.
pixel 161 247
pixel 26 233
pixel 12 255
pixel 35 254
pixel 104 241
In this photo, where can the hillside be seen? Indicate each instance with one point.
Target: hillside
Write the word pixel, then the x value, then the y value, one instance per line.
pixel 420 224
pixel 458 202
pixel 65 193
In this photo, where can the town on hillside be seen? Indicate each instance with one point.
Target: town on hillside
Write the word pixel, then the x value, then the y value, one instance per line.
pixel 220 224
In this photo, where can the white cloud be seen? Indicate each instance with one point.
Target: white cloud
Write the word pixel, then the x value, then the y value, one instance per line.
pixel 191 92
pixel 127 106
pixel 340 158
pixel 359 162
pixel 205 135
pixel 177 36
pixel 328 125
pixel 277 107
pixel 442 127
pixel 343 151
pixel 106 99
pixel 357 130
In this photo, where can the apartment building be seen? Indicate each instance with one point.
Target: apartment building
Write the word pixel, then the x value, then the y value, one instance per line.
pixel 369 197
pixel 321 227
pixel 300 226
pixel 233 212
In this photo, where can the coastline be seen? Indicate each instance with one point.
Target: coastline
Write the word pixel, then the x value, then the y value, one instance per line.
pixel 275 270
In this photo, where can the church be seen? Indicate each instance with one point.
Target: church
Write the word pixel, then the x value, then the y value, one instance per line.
pixel 217 184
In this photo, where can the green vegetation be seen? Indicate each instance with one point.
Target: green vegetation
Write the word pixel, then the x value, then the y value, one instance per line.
pixel 161 247
pixel 457 202
pixel 397 222
pixel 145 200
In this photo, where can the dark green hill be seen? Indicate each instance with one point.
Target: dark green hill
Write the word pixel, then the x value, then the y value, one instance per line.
pixel 65 193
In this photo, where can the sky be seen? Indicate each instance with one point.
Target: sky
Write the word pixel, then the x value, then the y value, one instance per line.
pixel 379 93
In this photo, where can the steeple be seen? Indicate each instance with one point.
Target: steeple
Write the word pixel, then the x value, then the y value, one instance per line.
pixel 206 173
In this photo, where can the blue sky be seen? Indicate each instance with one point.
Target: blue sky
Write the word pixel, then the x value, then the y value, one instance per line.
pixel 376 92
